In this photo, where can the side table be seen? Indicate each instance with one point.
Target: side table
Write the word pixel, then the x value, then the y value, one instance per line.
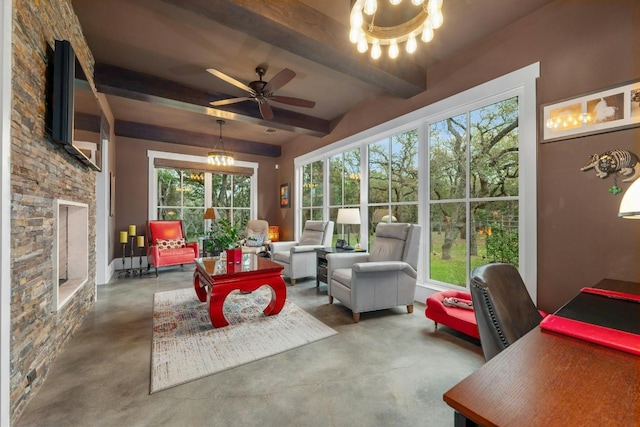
pixel 321 261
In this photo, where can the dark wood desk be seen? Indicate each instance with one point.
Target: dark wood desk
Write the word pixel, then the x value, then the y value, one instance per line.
pixel 547 379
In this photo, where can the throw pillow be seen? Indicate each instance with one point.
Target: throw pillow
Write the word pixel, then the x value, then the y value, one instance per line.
pixel 170 244
pixel 458 302
pixel 254 240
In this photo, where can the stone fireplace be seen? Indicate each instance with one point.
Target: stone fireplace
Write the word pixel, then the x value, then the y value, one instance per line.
pixel 71 257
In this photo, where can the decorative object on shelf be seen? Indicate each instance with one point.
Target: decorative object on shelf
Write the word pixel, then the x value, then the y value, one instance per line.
pixel 614 162
pixel 220 157
pixel 285 201
pixel 274 233
pixel 606 110
pixel 348 217
pixel 382 23
pixel 630 204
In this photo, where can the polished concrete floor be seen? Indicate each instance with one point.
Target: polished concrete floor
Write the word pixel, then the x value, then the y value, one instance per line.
pixel 390 369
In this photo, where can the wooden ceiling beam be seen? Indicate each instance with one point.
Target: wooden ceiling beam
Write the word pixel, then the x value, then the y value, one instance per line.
pixel 302 30
pixel 178 136
pixel 143 87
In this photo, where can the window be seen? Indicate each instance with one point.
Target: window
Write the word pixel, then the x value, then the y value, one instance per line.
pixel 312 191
pixel 184 186
pixel 473 195
pixel 181 196
pixel 344 189
pixel 393 180
pixel 464 168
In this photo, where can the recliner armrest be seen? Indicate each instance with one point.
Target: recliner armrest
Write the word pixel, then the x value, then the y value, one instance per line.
pixel 305 248
pixel 345 260
pixel 282 246
pixel 384 266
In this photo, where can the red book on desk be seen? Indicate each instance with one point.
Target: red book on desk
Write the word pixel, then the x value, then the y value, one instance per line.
pixel 603 317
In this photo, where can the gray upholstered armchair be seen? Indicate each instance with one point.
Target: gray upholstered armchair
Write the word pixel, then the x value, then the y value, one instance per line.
pixel 299 258
pixel 384 278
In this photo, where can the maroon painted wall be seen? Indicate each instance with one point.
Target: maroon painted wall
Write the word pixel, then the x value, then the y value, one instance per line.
pixel 582 46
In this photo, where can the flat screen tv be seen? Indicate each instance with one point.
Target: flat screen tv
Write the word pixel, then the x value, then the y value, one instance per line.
pixel 76 114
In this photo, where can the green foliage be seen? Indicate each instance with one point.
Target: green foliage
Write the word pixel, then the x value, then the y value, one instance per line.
pixel 502 245
pixel 224 234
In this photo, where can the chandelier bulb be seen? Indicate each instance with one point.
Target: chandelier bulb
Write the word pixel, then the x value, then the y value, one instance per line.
pixel 376 52
pixel 353 35
pixel 412 45
pixel 436 20
pixel 370 7
pixel 427 32
pixel 393 49
pixel 356 18
pixel 395 2
pixel 362 43
pixel 417 2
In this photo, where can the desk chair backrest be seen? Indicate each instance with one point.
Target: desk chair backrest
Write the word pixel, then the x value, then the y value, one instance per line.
pixel 503 308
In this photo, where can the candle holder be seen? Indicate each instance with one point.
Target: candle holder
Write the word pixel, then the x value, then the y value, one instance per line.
pixel 124 272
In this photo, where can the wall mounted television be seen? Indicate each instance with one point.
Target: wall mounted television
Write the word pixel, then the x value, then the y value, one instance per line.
pixel 76 116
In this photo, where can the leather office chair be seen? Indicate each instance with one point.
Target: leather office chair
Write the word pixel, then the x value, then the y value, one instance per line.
pixel 384 278
pixel 503 308
pixel 259 230
pixel 299 258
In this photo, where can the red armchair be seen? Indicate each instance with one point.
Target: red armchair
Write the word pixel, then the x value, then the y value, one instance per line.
pixel 168 245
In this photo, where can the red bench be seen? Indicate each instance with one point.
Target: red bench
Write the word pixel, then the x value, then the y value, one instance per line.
pixel 460 319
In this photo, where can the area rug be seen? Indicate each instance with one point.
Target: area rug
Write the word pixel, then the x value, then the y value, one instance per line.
pixel 186 346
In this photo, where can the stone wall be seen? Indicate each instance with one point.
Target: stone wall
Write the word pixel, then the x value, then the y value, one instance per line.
pixel 41 172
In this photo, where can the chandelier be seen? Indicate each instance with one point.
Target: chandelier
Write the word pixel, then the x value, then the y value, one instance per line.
pixel 220 157
pixel 382 24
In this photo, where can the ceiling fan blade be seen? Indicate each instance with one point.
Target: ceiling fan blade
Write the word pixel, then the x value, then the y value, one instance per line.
pixel 279 80
pixel 265 110
pixel 229 101
pixel 297 102
pixel 230 80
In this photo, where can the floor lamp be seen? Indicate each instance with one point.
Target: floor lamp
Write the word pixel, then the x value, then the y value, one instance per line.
pixel 348 216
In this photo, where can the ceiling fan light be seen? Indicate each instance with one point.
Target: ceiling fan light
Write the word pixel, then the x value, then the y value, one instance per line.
pixel 376 52
pixel 393 49
pixel 412 45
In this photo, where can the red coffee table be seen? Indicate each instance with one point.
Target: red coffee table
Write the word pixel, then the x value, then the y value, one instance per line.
pixel 214 279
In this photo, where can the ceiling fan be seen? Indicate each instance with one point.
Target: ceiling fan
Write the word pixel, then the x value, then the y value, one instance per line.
pixel 261 91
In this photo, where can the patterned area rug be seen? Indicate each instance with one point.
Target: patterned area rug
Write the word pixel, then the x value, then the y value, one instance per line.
pixel 186 346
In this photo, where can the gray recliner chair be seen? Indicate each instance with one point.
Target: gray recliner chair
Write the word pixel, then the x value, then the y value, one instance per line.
pixel 384 278
pixel 503 308
pixel 299 258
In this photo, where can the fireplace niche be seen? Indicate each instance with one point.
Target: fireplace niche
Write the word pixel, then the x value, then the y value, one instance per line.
pixel 71 251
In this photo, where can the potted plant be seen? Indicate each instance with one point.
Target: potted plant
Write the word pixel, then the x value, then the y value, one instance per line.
pixel 227 237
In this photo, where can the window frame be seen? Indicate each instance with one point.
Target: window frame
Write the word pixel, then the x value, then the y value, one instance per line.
pixel 520 83
pixel 152 213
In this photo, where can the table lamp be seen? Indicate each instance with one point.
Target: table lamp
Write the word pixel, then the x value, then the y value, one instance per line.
pixel 630 205
pixel 348 216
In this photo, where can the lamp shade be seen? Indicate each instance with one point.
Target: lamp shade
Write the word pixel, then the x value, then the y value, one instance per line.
pixel 274 233
pixel 211 213
pixel 630 205
pixel 348 216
